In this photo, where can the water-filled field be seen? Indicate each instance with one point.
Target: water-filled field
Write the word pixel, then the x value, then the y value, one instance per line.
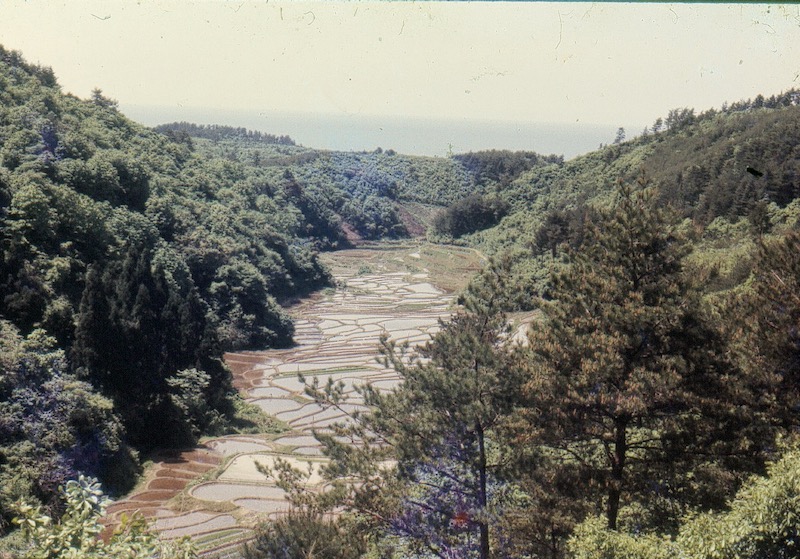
pixel 390 292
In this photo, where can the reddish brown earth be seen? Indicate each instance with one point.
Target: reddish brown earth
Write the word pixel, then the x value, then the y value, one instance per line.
pixel 245 377
pixel 170 474
pixel 412 224
pixel 351 234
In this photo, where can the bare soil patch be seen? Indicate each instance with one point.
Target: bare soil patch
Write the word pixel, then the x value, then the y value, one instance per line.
pixel 169 483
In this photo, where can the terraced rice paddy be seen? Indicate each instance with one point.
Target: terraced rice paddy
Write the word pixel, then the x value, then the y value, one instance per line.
pixel 337 338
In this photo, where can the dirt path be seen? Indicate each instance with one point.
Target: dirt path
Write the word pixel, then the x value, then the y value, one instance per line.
pixel 401 290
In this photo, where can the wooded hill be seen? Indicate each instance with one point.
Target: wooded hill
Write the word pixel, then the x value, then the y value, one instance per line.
pixel 715 164
pixel 133 258
pixel 732 174
pixel 367 193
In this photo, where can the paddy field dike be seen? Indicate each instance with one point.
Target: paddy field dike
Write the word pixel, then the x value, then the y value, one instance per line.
pixel 215 494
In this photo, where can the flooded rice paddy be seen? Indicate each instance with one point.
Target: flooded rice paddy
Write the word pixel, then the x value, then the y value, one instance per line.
pixel 337 339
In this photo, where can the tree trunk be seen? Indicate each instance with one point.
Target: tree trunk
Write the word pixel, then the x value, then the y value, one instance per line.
pixel 617 471
pixel 482 497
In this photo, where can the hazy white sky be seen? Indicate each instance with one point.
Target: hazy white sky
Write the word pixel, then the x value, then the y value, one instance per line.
pixel 545 62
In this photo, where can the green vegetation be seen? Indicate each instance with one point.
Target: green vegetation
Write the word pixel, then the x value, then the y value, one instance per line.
pixel 185 131
pixel 470 214
pixel 129 264
pixel 374 195
pixel 301 535
pixel 345 195
pixel 498 168
pixel 250 419
pixel 761 521
pixel 76 534
pixel 732 173
pixel 639 406
pixel 54 425
pixel 656 385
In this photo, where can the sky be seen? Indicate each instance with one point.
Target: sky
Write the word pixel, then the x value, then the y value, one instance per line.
pixel 591 64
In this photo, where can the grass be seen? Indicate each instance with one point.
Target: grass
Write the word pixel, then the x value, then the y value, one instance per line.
pixel 249 419
pixel 13 544
pixel 183 502
pixel 142 479
pixel 225 547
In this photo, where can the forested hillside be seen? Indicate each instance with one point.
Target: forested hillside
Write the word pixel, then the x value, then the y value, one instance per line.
pixel 218 132
pixel 367 193
pixel 656 375
pixel 130 261
pixel 733 174
pixel 719 163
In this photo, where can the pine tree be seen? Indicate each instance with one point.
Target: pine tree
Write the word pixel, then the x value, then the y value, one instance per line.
pixel 624 352
pixel 765 324
pixel 93 328
pixel 441 426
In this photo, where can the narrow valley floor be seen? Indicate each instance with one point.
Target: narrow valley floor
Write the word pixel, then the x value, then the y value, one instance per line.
pixel 215 494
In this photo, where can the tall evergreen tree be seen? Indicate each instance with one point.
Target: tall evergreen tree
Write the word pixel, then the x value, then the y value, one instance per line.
pixel 139 324
pixel 765 323
pixel 441 426
pixel 623 354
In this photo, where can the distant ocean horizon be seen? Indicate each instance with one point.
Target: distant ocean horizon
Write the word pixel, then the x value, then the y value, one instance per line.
pixel 410 136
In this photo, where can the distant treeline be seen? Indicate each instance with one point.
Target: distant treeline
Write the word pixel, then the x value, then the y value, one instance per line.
pixel 503 166
pixel 678 119
pixel 218 132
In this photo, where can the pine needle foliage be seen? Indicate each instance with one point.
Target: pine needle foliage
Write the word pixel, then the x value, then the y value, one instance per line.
pixel 624 358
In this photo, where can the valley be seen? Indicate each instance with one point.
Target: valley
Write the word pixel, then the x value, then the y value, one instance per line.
pixel 400 289
pixel 650 409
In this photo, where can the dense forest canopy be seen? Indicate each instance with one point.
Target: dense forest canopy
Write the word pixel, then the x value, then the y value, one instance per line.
pixel 130 262
pixel 218 132
pixel 657 279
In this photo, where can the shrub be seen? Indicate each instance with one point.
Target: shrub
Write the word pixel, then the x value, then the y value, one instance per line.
pixel 473 213
pixel 77 534
pixel 761 524
pixel 305 535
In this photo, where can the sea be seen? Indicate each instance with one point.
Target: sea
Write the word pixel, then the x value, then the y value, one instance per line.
pixel 406 135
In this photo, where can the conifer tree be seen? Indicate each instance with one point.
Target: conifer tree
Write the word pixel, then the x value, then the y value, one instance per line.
pixel 623 353
pixel 441 426
pixel 139 324
pixel 765 324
